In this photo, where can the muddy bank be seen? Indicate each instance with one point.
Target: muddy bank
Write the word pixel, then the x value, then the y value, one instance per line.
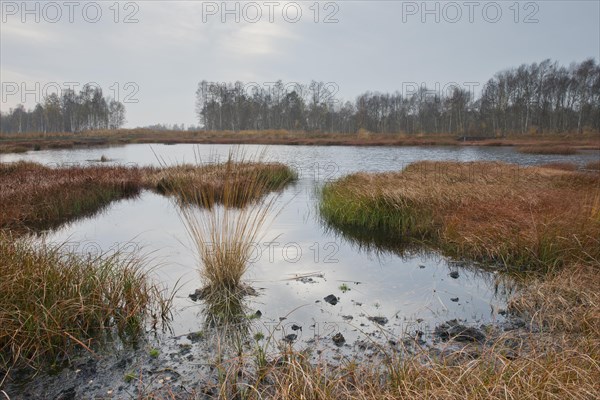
pixel 194 364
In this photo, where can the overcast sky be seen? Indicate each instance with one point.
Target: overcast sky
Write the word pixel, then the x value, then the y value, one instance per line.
pixel 154 62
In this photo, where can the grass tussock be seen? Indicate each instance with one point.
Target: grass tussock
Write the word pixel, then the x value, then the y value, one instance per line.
pixel 529 218
pixel 233 211
pixel 38 197
pixel 548 149
pixel 54 302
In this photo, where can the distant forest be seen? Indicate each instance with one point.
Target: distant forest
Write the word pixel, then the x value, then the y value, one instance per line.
pixel 69 112
pixel 541 97
pixel 538 98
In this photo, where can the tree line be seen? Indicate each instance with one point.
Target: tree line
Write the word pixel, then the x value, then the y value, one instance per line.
pixel 541 97
pixel 70 112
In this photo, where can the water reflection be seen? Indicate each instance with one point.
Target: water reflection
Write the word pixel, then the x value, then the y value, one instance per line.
pixel 379 244
pixel 226 313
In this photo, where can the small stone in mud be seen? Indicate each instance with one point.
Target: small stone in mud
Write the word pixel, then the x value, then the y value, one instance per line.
pixel 282 318
pixel 331 299
pixel 461 333
pixel 338 339
pixel 185 349
pixel 454 274
pixel 258 314
pixel 454 299
pixel 379 320
pixel 347 317
pixel 290 338
pixel 197 295
pixel 195 336
pixel 421 266
pixel 296 327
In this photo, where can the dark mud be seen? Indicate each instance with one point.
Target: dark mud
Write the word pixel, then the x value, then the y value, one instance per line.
pixel 192 363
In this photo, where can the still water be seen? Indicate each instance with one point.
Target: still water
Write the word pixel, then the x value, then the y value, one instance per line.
pixel 409 290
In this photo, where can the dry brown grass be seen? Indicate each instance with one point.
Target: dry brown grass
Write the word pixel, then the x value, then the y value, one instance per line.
pixel 567 301
pixel 35 197
pixel 563 166
pixel 38 197
pixel 539 218
pixel 6 149
pixel 594 165
pixel 217 183
pixel 546 372
pixel 528 218
pixel 553 149
pixel 124 136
